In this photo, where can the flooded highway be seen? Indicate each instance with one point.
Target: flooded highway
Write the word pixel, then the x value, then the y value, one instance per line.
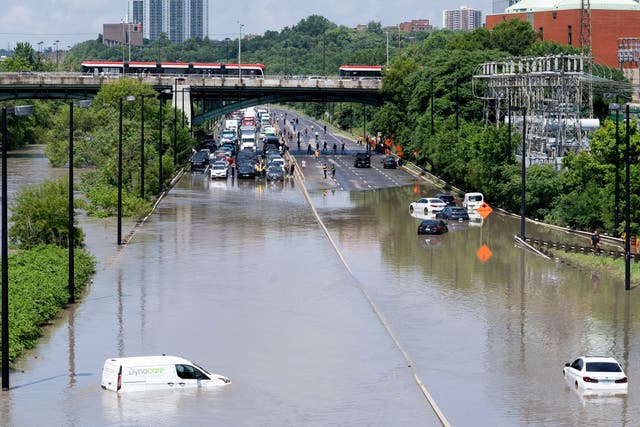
pixel 239 277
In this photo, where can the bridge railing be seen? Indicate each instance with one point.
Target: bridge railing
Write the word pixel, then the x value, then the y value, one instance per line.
pixel 64 78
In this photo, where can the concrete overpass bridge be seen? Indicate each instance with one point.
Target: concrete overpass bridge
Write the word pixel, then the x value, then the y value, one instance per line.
pixel 201 97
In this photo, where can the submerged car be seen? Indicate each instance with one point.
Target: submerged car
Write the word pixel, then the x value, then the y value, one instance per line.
pixel 596 374
pixel 453 213
pixel 427 205
pixel 432 226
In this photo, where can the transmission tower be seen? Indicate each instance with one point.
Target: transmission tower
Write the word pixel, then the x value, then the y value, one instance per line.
pixel 549 89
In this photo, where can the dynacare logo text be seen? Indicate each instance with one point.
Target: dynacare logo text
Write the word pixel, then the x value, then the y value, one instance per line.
pixel 145 371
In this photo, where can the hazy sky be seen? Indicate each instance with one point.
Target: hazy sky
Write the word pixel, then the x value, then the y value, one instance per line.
pixel 73 21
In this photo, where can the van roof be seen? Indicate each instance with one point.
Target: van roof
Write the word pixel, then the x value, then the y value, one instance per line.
pixel 172 360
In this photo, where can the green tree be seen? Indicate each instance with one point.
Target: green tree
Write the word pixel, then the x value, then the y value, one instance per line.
pixel 39 214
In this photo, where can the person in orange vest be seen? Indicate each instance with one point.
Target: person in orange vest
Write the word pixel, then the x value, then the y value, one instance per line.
pixel 325 169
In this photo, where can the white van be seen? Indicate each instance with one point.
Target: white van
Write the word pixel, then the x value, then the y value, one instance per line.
pixel 142 373
pixel 473 201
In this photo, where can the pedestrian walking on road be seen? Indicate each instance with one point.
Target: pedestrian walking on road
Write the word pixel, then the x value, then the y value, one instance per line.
pixel 333 170
pixel 309 149
pixel 325 128
pixel 342 147
pixel 335 148
pixel 292 169
pixel 317 153
pixel 325 169
pixel 595 242
pixel 303 163
pixel 324 146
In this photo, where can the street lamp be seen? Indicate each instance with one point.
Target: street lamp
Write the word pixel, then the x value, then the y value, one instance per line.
pixel 22 110
pixel 129 99
pixel 240 52
pixel 161 142
pixel 175 119
pixel 142 97
pixel 627 220
pixel 85 103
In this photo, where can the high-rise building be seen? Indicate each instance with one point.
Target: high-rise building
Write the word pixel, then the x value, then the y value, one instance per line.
pixel 179 19
pixel 136 11
pixel 464 18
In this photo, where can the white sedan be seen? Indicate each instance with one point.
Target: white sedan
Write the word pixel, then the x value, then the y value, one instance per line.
pixel 219 169
pixel 596 374
pixel 427 206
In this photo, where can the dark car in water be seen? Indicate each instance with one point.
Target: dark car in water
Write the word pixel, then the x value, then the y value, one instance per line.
pixel 246 170
pixel 362 160
pixel 275 173
pixel 432 226
pixel 453 213
pixel 389 162
pixel 449 199
pixel 200 161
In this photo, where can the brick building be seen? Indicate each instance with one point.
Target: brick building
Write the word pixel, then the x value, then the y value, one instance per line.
pixel 560 21
pixel 415 25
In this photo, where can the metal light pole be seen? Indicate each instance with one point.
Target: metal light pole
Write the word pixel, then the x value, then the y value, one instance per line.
pixel 240 52
pixel 71 242
pixel 124 98
pixel 22 110
pixel 627 221
pixel 524 170
pixel 509 132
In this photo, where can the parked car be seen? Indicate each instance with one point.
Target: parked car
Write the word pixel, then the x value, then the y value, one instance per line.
pixel 362 160
pixel 389 162
pixel 219 169
pixel 432 226
pixel 447 198
pixel 275 173
pixel 596 373
pixel 427 205
pixel 200 161
pixel 453 213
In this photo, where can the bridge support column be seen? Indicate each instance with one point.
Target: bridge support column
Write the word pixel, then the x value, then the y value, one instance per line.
pixel 182 100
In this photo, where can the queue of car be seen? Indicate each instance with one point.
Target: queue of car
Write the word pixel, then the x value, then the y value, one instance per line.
pixel 238 153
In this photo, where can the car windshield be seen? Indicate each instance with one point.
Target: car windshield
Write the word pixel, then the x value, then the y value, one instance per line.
pixel 603 367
